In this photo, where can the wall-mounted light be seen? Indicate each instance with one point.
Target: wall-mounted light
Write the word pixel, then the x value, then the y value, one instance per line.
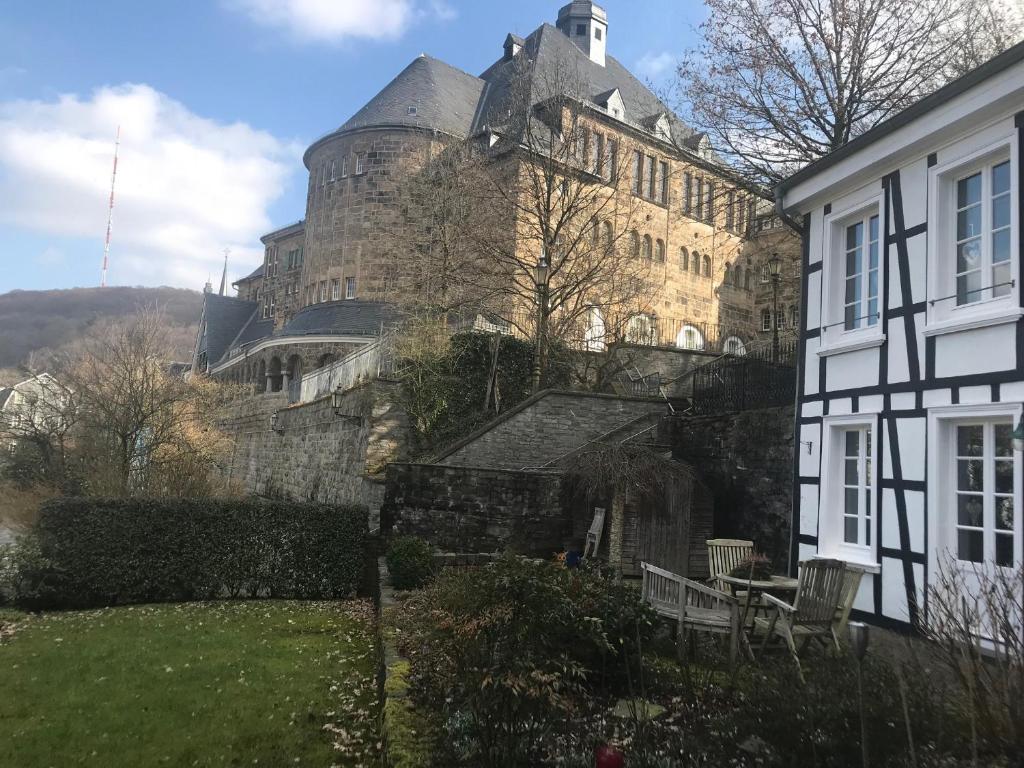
pixel 338 402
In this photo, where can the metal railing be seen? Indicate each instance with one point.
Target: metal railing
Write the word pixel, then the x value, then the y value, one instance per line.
pixel 375 360
pixel 759 379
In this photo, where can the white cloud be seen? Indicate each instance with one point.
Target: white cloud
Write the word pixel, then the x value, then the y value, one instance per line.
pixel 335 20
pixel 655 65
pixel 187 186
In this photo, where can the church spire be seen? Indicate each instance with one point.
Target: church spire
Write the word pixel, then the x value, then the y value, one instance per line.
pixel 224 274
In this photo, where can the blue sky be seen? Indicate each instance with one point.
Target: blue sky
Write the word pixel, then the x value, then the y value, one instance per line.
pixel 216 100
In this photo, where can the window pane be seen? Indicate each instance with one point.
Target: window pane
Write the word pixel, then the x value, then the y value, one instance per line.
pixel 1001 279
pixel 970 440
pixel 873 232
pixel 969 546
pixel 873 256
pixel 968 191
pixel 852 289
pixel 1004 513
pixel 872 283
pixel 1004 550
pixel 968 287
pixel 968 255
pixel 867 517
pixel 1001 212
pixel 853 442
pixel 1004 440
pixel 1001 178
pixel 969 475
pixel 850 530
pixel 850 505
pixel 968 223
pixel 970 510
pixel 1001 246
pixel 854 235
pixel 1004 476
pixel 851 471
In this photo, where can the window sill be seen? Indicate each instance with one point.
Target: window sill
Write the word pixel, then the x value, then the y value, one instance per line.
pixel 853 344
pixel 861 564
pixel 974 320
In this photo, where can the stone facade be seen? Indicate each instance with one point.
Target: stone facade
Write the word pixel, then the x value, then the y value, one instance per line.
pixel 546 427
pixel 270 368
pixel 461 509
pixel 283 258
pixel 312 453
pixel 746 459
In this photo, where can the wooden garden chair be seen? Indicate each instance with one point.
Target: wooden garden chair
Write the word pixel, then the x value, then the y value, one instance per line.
pixel 694 607
pixel 724 555
pixel 819 590
pixel 851 584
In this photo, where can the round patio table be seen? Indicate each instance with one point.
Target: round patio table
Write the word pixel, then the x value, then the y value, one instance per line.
pixel 775 585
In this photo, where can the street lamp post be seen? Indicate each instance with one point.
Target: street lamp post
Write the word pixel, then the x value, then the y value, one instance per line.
pixel 774 269
pixel 541 272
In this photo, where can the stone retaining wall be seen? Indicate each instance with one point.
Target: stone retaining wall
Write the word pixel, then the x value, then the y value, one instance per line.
pixel 469 509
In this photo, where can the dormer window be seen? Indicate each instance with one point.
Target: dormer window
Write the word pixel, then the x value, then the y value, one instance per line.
pixel 412 111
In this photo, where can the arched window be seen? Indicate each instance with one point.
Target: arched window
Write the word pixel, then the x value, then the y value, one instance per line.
pixel 634 243
pixel 274 374
pixel 707 266
pixel 684 260
pixel 593 336
pixel 727 276
pixel 734 346
pixel 609 235
pixel 696 263
pixel 690 337
pixel 261 376
pixel 595 233
pixel 737 276
pixel 659 251
pixel 641 329
pixel 647 247
pixel 746 279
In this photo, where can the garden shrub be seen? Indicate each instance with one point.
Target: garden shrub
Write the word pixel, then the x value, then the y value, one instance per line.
pixel 410 562
pixel 510 650
pixel 107 552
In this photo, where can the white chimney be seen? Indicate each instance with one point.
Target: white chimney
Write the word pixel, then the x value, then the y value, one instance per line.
pixel 586 24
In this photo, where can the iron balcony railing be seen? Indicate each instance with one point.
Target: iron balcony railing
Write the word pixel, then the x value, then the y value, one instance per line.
pixel 761 379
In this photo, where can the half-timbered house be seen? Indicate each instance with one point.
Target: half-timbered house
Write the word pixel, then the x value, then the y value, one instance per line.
pixel 912 344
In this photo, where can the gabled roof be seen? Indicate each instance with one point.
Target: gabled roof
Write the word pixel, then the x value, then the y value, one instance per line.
pixel 5 395
pixel 224 318
pixel 550 50
pixel 426 94
pixel 254 275
pixel 347 318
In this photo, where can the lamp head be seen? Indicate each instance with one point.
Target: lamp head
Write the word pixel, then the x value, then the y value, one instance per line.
pixel 858 638
pixel 774 266
pixel 541 271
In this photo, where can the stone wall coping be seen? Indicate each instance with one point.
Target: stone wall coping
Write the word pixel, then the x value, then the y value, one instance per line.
pixel 528 402
pixel 472 468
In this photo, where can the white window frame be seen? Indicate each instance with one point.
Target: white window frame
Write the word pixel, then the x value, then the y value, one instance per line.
pixel 360 163
pixel 690 337
pixel 941 489
pixel 834 336
pixel 831 517
pixel 335 289
pixel 350 287
pixel 944 315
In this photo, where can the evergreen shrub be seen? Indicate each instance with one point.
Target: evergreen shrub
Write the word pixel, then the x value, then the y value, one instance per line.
pixel 410 562
pixel 100 552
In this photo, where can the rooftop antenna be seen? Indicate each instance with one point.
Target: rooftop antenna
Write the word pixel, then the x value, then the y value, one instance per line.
pixel 110 212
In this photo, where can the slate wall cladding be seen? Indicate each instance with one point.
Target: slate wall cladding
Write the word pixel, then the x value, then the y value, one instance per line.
pixel 469 509
pixel 545 427
pixel 314 454
pixel 746 459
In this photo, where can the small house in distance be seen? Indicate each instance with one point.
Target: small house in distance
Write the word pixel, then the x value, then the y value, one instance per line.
pixel 908 459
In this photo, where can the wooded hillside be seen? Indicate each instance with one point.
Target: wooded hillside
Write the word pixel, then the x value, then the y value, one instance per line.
pixel 36 320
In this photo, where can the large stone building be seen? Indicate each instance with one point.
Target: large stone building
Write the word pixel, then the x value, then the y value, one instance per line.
pixel 704 236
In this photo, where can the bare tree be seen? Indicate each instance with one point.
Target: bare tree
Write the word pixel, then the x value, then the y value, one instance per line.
pixel 36 425
pixel 778 83
pixel 140 429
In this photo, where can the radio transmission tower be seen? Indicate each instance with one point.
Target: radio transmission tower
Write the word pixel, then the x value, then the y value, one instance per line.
pixel 110 212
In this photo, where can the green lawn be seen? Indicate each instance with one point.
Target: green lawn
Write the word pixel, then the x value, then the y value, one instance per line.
pixel 229 683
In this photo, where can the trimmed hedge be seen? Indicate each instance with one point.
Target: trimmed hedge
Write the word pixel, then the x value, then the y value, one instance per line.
pixel 108 552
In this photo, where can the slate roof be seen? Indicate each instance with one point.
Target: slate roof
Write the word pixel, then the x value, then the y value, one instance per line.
pixel 5 395
pixel 256 273
pixel 551 50
pixel 348 318
pixel 455 102
pixel 444 98
pixel 225 316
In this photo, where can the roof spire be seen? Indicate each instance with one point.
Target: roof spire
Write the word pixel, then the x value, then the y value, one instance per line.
pixel 224 274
